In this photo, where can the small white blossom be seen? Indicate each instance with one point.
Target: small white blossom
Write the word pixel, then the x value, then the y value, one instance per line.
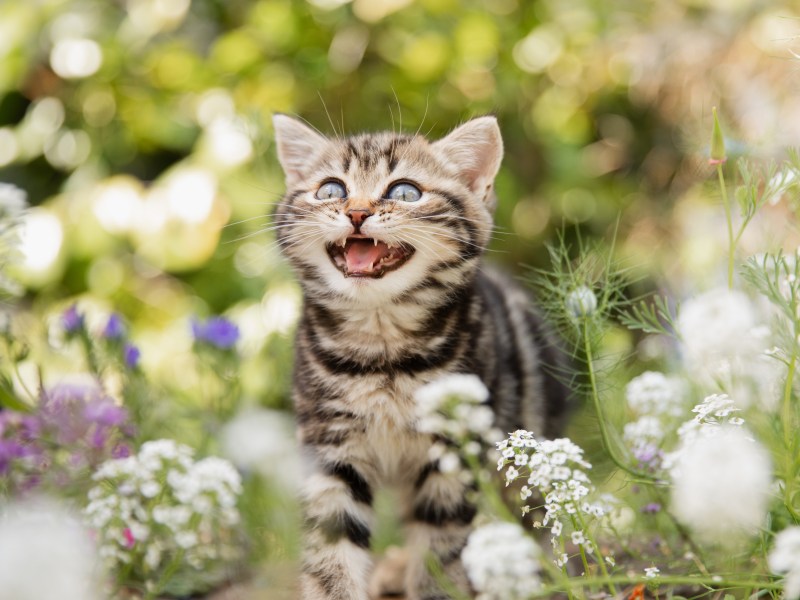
pixel 723 342
pixel 13 204
pixel 722 485
pixel 449 463
pixel 653 394
pixel 651 572
pixel 784 558
pixel 715 410
pixel 502 562
pixel 578 538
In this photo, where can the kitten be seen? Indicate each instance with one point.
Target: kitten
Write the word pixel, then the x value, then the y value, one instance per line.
pixel 386 233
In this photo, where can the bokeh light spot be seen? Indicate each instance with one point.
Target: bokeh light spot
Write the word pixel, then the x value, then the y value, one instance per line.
pixel 76 58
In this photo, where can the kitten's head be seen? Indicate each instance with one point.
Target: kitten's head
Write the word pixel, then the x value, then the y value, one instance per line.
pixel 370 217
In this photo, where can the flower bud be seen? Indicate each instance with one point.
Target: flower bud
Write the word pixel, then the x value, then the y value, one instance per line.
pixel 717 142
pixel 581 302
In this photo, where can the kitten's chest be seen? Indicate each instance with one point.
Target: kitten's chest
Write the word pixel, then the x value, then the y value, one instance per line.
pixel 391 441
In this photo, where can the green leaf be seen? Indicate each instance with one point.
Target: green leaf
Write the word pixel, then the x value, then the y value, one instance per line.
pixel 655 317
pixel 8 399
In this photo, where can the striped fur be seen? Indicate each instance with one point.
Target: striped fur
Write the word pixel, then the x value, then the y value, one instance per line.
pixel 364 345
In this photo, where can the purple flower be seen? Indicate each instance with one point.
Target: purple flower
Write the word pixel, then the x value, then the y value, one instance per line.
pixel 216 331
pixel 9 450
pixel 131 354
pixel 104 411
pixel 651 508
pixel 114 328
pixel 121 451
pixel 72 319
pixel 648 455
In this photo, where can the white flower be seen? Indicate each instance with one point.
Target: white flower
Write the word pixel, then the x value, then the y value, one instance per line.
pixel 578 538
pixel 186 539
pixel 502 562
pixel 465 388
pixel 644 430
pixel 653 393
pixel 553 469
pixel 721 485
pixel 262 441
pixel 449 463
pixel 45 553
pixel 651 572
pixel 162 496
pixel 715 410
pixel 785 558
pixel 723 343
pixel 13 203
pixel 714 324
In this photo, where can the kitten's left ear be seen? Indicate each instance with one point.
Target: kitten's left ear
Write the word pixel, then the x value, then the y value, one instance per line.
pixel 297 145
pixel 476 149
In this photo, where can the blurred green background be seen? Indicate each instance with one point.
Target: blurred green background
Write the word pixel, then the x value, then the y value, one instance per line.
pixel 140 130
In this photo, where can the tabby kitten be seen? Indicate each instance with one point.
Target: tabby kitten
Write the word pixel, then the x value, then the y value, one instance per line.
pixel 386 233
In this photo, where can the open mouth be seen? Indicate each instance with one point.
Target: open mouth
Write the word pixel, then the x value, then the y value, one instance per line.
pixel 368 257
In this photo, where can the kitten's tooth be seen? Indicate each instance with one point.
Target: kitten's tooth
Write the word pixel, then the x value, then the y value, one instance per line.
pixel 375 240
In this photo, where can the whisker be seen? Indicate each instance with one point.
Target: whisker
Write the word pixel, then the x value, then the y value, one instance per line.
pixel 232 223
pixel 330 120
pixel 494 227
pixel 440 232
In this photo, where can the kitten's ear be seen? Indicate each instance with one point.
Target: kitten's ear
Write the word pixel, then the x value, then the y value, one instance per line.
pixel 476 149
pixel 297 145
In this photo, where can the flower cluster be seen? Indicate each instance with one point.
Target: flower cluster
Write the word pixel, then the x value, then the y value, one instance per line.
pixel 74 428
pixel 13 203
pixel 160 511
pixel 556 470
pixel 502 562
pixel 724 344
pixel 455 407
pixel 653 393
pixel 715 410
pixel 114 334
pixel 710 472
pixel 656 400
pixel 785 559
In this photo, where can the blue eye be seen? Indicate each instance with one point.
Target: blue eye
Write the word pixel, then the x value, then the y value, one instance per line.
pixel 405 192
pixel 331 190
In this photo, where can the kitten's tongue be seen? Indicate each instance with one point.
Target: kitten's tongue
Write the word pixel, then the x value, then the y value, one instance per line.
pixel 362 255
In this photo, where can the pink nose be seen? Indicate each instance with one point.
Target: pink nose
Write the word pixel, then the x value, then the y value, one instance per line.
pixel 357 216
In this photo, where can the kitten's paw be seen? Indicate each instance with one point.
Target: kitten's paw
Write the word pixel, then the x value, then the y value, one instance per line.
pixel 388 578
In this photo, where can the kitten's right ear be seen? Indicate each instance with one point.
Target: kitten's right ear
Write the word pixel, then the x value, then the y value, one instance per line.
pixel 297 146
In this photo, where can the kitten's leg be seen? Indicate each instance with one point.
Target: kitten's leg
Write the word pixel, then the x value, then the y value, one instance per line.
pixel 439 523
pixel 338 512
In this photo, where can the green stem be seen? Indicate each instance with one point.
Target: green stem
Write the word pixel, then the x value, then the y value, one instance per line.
pixel 708 582
pixel 788 428
pixel 683 532
pixel 489 491
pixel 166 575
pixel 728 218
pixel 598 409
pixel 600 558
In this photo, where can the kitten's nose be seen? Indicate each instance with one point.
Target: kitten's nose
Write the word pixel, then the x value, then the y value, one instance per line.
pixel 357 216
